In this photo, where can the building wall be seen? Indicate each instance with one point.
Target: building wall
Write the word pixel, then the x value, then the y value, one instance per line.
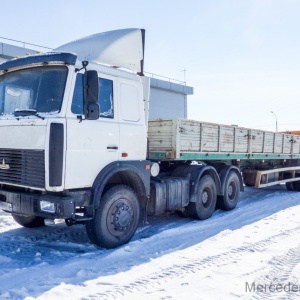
pixel 166 104
pixel 8 51
pixel 168 99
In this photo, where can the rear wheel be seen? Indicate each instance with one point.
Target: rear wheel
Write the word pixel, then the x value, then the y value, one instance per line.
pixel 29 221
pixel 229 200
pixel 206 200
pixel 116 219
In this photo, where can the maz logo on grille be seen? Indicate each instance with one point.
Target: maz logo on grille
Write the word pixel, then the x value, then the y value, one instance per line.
pixel 4 166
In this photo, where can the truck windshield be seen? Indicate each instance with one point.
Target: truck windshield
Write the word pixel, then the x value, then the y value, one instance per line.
pixel 38 90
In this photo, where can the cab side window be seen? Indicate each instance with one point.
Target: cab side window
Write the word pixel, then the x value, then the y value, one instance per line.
pixel 77 102
pixel 105 97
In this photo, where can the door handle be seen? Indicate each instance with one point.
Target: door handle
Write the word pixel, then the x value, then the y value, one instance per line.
pixel 112 147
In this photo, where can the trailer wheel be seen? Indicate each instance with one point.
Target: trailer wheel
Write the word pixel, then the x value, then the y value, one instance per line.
pixel 206 201
pixel 116 219
pixel 296 186
pixel 229 200
pixel 293 185
pixel 290 186
pixel 29 221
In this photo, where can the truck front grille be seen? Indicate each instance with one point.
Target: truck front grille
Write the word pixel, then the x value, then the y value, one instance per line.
pixel 22 167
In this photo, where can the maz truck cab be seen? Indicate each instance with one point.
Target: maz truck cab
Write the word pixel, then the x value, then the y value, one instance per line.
pixel 72 130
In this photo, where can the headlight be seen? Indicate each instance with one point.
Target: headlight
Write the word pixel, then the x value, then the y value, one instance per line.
pixel 47 206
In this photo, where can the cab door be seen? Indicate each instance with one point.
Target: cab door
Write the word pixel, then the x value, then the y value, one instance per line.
pixel 91 144
pixel 133 130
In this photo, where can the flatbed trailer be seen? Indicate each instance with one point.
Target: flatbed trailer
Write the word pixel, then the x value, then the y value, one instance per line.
pixel 264 157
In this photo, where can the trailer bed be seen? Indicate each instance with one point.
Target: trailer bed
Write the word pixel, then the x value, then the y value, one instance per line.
pixel 182 139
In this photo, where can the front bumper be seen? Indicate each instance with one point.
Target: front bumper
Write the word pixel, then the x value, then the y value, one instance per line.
pixel 30 204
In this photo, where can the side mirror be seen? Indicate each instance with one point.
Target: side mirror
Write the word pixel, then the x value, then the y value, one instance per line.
pixel 92 111
pixel 91 106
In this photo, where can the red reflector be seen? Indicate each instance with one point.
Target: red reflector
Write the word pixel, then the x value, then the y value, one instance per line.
pixel 124 154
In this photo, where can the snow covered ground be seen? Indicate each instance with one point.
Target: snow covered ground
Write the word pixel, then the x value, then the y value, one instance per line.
pixel 252 252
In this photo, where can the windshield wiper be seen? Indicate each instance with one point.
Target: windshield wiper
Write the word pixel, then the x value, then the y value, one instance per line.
pixel 27 112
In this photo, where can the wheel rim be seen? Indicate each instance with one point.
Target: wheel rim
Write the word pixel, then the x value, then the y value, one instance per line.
pixel 206 197
pixel 231 191
pixel 119 217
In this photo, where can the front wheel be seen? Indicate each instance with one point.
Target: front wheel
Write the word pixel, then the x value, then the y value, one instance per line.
pixel 206 200
pixel 29 221
pixel 116 219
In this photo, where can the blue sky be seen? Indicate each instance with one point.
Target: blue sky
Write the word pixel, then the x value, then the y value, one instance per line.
pixel 242 56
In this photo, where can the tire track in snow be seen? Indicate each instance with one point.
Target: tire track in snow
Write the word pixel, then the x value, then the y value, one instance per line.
pixel 281 274
pixel 156 279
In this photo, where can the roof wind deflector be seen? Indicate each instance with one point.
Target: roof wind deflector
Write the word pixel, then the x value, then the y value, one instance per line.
pixel 122 48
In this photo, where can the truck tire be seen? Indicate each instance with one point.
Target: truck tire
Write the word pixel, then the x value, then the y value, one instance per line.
pixel 293 185
pixel 229 200
pixel 206 200
pixel 116 219
pixel 290 186
pixel 29 221
pixel 296 186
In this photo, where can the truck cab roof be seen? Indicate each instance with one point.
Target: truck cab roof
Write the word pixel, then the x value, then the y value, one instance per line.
pixel 66 58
